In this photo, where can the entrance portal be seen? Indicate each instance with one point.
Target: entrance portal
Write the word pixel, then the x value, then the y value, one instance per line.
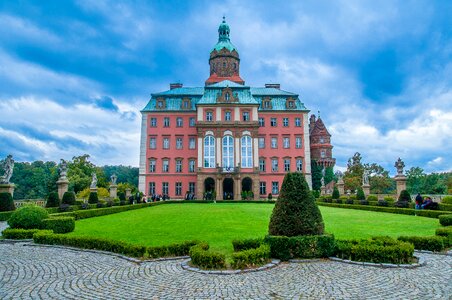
pixel 228 189
pixel 209 188
pixel 247 189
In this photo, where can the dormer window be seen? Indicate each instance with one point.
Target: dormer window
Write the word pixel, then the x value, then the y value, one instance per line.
pixel 266 103
pixel 290 103
pixel 227 97
pixel 185 103
pixel 161 103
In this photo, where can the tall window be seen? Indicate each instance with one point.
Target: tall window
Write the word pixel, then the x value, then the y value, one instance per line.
pixel 297 122
pixel 298 142
pixel 178 188
pixel 151 188
pixel 153 142
pixel 275 187
pixel 261 122
pixel 299 164
pixel 285 122
pixel 262 164
pixel 286 142
pixel 274 141
pixel 287 164
pixel 261 142
pixel 166 122
pixel 179 143
pixel 166 143
pixel 247 152
pixel 227 116
pixel 191 165
pixel 179 122
pixel 165 189
pixel 275 165
pixel 192 143
pixel 322 154
pixel 273 122
pixel 228 152
pixel 209 152
pixel 263 188
pixel 165 166
pixel 191 187
pixel 322 140
pixel 192 122
pixel 209 116
pixel 178 165
pixel 152 166
pixel 246 116
pixel 153 122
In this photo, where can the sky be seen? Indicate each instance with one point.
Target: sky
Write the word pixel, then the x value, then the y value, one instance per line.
pixel 74 75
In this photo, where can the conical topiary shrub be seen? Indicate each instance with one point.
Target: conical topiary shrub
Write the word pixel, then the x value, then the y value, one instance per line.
pixel 68 198
pixel 404 196
pixel 336 194
pixel 295 213
pixel 93 199
pixel 6 202
pixel 53 200
pixel 360 194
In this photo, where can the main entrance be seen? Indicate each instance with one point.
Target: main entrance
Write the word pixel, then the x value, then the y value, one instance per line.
pixel 228 189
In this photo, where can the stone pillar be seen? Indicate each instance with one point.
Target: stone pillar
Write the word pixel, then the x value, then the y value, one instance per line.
pixel 340 186
pixel 128 193
pixel 322 190
pixel 93 189
pixel 113 191
pixel 218 190
pixel 238 189
pixel 256 189
pixel 7 188
pixel 63 185
pixel 366 189
pixel 401 184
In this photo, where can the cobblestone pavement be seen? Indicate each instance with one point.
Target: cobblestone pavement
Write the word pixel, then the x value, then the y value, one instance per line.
pixel 35 272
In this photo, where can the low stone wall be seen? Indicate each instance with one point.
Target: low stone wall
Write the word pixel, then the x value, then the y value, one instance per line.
pixel 38 202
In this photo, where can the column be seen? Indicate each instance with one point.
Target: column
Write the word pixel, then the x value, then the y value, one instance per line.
pixel 114 191
pixel 200 147
pixel 62 185
pixel 307 150
pixel 400 183
pixel 142 169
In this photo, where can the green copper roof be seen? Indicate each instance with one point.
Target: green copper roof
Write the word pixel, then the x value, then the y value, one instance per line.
pixel 262 91
pixel 223 38
pixel 212 92
pixel 187 91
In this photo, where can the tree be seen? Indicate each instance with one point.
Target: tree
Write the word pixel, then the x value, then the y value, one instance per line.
pixel 80 171
pixel 53 200
pixel 336 194
pixel 360 194
pixel 329 175
pixel 295 213
pixel 68 198
pixel 415 179
pixel 316 171
pixel 404 196
pixel 126 174
pixel 93 199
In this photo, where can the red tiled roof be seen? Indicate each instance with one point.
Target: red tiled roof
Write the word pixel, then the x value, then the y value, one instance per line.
pixel 214 78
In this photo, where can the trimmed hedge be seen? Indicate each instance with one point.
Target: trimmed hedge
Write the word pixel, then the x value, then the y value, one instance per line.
pixel 447 233
pixel 59 224
pixel 445 207
pixel 372 198
pixel 28 217
pixel 4 215
pixel 251 257
pixel 375 250
pixel 240 245
pixel 394 210
pixel 177 249
pixel 18 234
pixel 206 259
pixel 445 220
pixel 447 200
pixel 310 246
pixel 68 198
pixel 430 243
pixel 6 202
pixel 53 200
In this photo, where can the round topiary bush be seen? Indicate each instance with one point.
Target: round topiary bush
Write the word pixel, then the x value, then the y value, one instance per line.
pixel 404 196
pixel 295 213
pixel 447 200
pixel 6 202
pixel 372 198
pixel 68 198
pixel 336 194
pixel 93 199
pixel 53 200
pixel 28 217
pixel 122 196
pixel 360 194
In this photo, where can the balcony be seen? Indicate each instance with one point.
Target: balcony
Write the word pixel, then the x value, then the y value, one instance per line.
pixel 228 170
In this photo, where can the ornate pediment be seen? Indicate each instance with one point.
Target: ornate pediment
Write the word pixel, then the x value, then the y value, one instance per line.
pixel 227 96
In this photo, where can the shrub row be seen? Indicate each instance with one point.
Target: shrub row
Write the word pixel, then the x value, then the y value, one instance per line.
pixel 251 257
pixel 376 250
pixel 447 233
pixel 206 259
pixel 240 245
pixel 445 220
pixel 4 215
pixel 430 243
pixel 313 246
pixel 447 200
pixel 393 210
pixel 177 249
pixel 18 234
pixel 445 207
pixel 59 224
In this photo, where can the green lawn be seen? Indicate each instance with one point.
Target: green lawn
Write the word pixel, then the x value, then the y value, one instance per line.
pixel 219 224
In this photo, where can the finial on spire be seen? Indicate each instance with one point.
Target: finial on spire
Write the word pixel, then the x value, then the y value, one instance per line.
pixel 224 18
pixel 318 114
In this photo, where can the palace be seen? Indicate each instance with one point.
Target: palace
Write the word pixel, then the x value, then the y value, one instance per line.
pixel 226 138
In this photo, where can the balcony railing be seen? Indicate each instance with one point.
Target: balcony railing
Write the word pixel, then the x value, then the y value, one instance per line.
pixel 230 170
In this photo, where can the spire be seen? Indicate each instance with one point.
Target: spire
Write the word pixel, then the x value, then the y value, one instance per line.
pixel 223 31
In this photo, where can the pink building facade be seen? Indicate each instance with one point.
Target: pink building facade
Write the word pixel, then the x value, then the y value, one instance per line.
pixel 225 139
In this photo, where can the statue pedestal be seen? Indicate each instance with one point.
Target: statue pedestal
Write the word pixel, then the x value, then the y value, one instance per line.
pixel 366 189
pixel 128 193
pixel 340 186
pixel 63 185
pixel 401 183
pixel 93 189
pixel 7 188
pixel 322 190
pixel 113 191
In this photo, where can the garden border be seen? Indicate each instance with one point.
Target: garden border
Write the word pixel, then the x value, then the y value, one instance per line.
pixel 421 262
pixel 185 265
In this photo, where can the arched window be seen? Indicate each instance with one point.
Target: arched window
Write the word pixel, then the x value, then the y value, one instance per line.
pixel 228 153
pixel 247 152
pixel 209 152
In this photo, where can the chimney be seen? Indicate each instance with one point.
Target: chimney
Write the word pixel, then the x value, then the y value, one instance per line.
pixel 273 85
pixel 173 86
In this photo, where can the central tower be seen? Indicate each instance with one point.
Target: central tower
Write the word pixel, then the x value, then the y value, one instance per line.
pixel 224 59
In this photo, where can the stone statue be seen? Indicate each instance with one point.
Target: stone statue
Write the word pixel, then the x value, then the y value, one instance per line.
pixel 113 179
pixel 366 177
pixel 94 181
pixel 339 175
pixel 8 166
pixel 63 169
pixel 399 165
pixel 322 181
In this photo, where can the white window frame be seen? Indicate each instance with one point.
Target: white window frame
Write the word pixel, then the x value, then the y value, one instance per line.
pixel 209 151
pixel 227 152
pixel 246 151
